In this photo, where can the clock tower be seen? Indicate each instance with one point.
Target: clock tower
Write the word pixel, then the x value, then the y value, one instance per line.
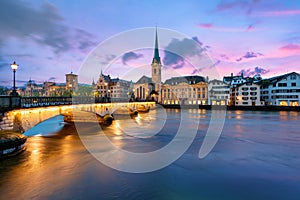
pixel 156 69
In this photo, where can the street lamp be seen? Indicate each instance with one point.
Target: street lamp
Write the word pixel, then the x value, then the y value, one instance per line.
pixel 14 67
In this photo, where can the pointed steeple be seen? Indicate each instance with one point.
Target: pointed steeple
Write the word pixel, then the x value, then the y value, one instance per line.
pixel 156 57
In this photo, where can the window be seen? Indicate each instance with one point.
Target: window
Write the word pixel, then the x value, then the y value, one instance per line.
pixel 282 84
pixel 245 103
pixel 154 71
pixel 245 93
pixel 294 84
pixel 253 88
pixel 245 98
pixel 293 77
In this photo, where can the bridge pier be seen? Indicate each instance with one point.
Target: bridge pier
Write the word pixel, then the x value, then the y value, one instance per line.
pixel 6 122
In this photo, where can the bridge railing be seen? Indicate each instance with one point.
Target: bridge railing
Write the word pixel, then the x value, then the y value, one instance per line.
pixel 13 102
pixel 30 102
pixel 10 102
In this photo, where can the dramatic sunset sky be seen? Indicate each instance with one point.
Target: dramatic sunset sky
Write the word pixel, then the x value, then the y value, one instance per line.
pixel 50 38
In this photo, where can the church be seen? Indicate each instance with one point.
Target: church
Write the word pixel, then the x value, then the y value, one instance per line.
pixel 147 88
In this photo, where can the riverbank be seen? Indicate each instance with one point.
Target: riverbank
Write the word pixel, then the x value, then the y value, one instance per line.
pixel 11 143
pixel 254 108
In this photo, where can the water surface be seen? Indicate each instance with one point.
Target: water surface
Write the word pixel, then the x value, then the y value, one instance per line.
pixel 256 157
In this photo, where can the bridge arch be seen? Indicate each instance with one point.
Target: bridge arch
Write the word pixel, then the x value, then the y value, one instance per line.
pixel 26 118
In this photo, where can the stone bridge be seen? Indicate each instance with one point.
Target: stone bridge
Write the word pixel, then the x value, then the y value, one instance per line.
pixel 26 118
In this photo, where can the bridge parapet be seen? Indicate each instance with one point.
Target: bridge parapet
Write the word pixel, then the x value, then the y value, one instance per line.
pixel 26 118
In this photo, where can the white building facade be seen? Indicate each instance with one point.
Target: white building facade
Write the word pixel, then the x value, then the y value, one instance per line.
pixel 246 94
pixel 282 90
pixel 218 93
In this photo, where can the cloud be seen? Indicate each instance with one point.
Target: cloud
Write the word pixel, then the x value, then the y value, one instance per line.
pixel 290 47
pixel 278 13
pixel 252 72
pixel 215 64
pixel 177 51
pixel 83 38
pixel 248 55
pixel 41 24
pixel 130 56
pixel 250 27
pixel 225 5
pixel 205 25
pixel 197 40
pixel 224 57
pixel 3 65
pixel 226 29
pixel 237 5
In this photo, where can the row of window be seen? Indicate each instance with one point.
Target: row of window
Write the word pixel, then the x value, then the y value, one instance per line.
pixel 285 97
pixel 247 93
pixel 251 88
pixel 247 98
pixel 283 85
pixel 183 89
pixel 286 91
pixel 220 92
pixel 219 97
pixel 203 96
pixel 220 87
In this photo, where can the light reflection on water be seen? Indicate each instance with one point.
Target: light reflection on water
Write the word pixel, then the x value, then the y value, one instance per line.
pixel 257 157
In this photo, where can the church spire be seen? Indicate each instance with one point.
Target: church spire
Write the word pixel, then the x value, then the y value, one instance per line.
pixel 156 57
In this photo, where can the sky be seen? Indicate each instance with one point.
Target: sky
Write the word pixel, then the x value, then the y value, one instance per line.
pixel 51 38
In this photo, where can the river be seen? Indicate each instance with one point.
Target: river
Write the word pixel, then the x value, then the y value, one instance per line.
pixel 256 157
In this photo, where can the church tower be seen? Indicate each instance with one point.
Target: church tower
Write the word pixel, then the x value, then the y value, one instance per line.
pixel 156 69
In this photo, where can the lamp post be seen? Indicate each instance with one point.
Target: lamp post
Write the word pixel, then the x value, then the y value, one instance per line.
pixel 14 67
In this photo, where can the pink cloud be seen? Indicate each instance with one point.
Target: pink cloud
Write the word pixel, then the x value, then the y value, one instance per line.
pixel 290 47
pixel 203 25
pixel 225 29
pixel 250 27
pixel 285 51
pixel 279 13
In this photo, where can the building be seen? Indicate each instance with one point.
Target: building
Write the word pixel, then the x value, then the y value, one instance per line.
pixel 32 89
pixel 147 88
pixel 185 90
pixel 218 92
pixel 234 80
pixel 281 90
pixel 156 72
pixel 120 89
pixel 71 82
pixel 102 86
pixel 142 89
pixel 246 94
pixel 108 89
